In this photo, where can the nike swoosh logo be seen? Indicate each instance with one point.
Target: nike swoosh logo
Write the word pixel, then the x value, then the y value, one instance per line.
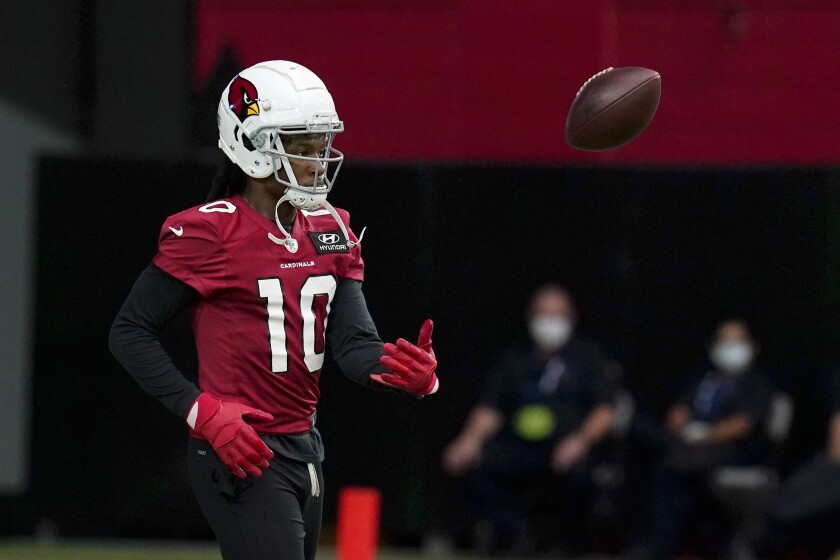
pixel 179 232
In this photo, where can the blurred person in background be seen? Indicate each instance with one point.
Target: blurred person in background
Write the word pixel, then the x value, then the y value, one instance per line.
pixel 715 421
pixel 263 266
pixel 544 407
pixel 806 513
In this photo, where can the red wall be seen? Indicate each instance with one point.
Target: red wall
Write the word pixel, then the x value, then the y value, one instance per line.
pixel 491 80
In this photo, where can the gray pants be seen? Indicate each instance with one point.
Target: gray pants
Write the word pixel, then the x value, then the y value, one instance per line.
pixel 274 517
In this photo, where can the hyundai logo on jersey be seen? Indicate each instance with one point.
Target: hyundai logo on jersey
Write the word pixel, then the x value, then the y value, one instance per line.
pixel 328 238
pixel 329 241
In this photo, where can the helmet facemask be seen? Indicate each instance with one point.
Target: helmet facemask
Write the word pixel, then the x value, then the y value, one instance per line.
pixel 306 197
pixel 273 141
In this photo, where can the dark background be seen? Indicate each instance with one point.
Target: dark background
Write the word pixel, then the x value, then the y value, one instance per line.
pixel 728 206
pixel 655 256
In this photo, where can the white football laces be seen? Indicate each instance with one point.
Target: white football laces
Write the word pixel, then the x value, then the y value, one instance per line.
pixel 586 83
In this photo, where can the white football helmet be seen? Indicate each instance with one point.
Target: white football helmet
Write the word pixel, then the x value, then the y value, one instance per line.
pixel 263 105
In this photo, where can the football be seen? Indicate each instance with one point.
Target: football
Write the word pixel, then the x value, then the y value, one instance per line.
pixel 613 107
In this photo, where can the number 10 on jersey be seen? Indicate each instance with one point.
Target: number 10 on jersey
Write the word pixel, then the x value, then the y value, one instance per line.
pixel 271 289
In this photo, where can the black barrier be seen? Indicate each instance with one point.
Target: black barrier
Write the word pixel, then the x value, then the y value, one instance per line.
pixel 654 256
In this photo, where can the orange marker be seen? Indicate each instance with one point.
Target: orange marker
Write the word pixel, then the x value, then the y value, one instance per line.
pixel 358 523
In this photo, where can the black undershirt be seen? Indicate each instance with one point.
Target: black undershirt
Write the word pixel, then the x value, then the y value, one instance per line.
pixel 156 298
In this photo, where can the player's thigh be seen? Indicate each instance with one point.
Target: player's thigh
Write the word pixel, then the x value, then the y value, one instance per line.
pixel 304 482
pixel 256 518
pixel 287 503
pixel 272 524
pixel 214 491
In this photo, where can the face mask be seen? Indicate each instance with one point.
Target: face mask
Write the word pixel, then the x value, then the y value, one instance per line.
pixel 731 356
pixel 549 332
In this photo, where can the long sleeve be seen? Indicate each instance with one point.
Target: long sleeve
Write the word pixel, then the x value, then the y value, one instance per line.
pixel 155 299
pixel 352 336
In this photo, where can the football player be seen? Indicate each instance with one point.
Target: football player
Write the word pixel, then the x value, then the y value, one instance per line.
pixel 274 274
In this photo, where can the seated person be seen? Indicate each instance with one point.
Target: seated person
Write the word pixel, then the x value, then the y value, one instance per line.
pixel 544 407
pixel 806 512
pixel 716 421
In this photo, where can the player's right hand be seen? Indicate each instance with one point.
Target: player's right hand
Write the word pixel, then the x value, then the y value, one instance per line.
pixel 222 424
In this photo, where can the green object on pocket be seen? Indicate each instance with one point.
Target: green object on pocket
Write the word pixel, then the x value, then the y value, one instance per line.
pixel 533 422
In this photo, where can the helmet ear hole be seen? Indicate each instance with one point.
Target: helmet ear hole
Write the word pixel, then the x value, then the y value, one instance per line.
pixel 247 143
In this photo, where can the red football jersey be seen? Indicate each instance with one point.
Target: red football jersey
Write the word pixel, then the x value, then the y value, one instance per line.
pixel 259 325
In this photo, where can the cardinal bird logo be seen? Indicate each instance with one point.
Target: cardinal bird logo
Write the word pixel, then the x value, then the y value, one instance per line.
pixel 242 98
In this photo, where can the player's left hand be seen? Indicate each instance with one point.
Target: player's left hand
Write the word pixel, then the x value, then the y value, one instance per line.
pixel 412 366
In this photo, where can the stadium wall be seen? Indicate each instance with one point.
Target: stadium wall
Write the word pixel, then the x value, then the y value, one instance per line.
pixel 743 82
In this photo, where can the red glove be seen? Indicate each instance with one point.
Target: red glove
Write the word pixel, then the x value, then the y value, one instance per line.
pixel 237 444
pixel 413 367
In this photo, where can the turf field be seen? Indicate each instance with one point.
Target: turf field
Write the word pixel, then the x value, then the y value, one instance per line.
pixel 107 550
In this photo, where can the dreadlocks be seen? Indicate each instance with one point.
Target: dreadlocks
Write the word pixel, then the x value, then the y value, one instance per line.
pixel 229 180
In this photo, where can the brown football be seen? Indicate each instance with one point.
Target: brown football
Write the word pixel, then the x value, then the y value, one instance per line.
pixel 613 107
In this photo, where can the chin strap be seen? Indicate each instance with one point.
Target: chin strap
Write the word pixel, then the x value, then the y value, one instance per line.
pixel 288 241
pixel 291 244
pixel 341 225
